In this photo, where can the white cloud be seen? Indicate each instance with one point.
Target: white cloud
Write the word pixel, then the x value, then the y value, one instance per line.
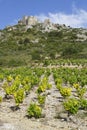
pixel 77 19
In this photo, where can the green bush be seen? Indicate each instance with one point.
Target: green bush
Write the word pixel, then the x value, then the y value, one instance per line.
pixel 19 96
pixel 9 78
pixel 72 105
pixel 1 77
pixel 27 88
pixel 65 92
pixel 70 50
pixel 41 99
pixel 34 111
pixel 41 88
pixel 83 103
pixel 36 55
pixel 80 92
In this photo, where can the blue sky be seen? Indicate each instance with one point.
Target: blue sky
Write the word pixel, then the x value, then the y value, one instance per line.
pixel 69 12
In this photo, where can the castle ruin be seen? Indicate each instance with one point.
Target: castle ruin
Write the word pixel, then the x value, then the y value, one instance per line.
pixel 28 20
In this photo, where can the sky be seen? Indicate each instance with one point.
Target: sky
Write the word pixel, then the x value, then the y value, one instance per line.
pixel 70 12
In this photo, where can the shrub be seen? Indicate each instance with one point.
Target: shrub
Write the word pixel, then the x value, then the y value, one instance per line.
pixel 58 86
pixel 72 105
pixel 27 88
pixel 65 92
pixel 26 40
pixel 41 88
pixel 9 78
pixel 58 81
pixel 0 99
pixel 44 85
pixel 19 96
pixel 46 62
pixel 1 77
pixel 70 50
pixel 7 89
pixel 16 62
pixel 80 92
pixel 34 110
pixel 41 99
pixel 36 55
pixel 49 86
pixel 83 103
pixel 76 86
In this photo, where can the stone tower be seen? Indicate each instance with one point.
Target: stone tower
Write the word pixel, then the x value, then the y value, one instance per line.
pixel 24 20
pixel 28 20
pixel 31 20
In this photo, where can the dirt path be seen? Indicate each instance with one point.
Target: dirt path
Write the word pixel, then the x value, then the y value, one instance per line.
pixel 52 100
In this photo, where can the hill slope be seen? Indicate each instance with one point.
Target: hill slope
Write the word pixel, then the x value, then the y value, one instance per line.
pixel 22 44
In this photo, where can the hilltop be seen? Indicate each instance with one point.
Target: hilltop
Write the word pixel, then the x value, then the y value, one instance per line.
pixel 31 40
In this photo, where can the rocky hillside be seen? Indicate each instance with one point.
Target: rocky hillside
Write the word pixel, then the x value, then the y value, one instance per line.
pixel 31 40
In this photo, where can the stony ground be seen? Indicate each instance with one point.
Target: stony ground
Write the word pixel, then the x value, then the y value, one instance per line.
pixel 55 116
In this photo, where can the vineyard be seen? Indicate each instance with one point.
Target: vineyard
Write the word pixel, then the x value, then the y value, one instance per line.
pixel 43 70
pixel 45 94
